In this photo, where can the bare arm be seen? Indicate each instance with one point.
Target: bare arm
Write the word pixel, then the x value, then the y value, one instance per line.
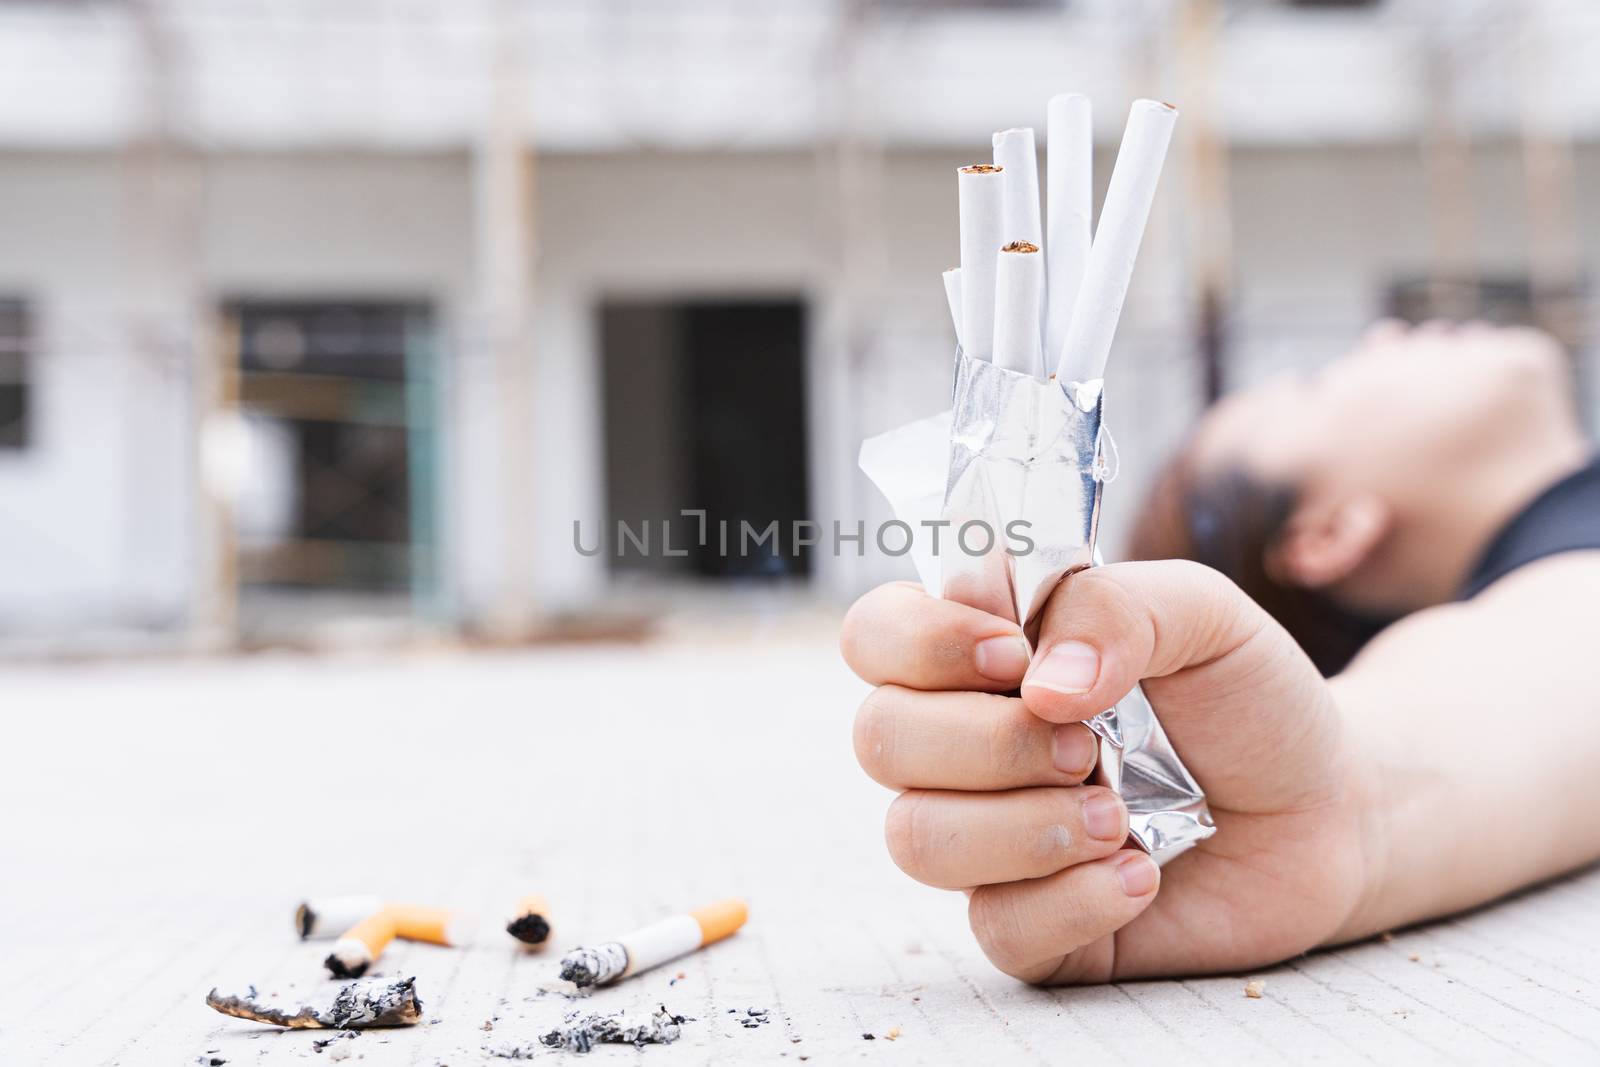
pixel 1481 722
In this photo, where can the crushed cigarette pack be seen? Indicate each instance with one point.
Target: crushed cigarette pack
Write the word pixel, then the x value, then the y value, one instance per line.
pixel 1021 458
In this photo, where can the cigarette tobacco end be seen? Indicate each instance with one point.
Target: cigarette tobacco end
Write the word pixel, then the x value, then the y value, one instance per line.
pixel 304 920
pixel 339 969
pixel 530 929
pixel 1020 246
pixel 577 970
pixel 981 168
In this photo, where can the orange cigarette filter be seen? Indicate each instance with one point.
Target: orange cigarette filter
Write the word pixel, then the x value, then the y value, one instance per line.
pixel 531 922
pixel 359 946
pixel 720 920
pixel 436 926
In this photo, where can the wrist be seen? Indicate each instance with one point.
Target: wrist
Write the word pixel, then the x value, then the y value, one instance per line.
pixel 1369 811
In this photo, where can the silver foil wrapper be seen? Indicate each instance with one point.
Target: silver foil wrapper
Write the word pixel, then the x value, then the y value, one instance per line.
pixel 1014 511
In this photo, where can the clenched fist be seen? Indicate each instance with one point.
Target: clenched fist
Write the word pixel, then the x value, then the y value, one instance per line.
pixel 991 794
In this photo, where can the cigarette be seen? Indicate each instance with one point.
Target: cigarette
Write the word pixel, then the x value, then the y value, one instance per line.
pixel 981 192
pixel 359 946
pixel 324 917
pixel 952 295
pixel 531 923
pixel 1069 192
pixel 1087 344
pixel 1019 282
pixel 653 945
pixel 436 926
pixel 356 1006
pixel 1018 160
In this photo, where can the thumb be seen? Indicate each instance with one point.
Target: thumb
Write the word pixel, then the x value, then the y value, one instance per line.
pixel 1244 706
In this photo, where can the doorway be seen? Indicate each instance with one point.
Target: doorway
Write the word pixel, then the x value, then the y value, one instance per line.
pixel 704 408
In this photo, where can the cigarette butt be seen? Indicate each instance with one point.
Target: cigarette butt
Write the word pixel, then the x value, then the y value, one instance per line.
pixel 720 920
pixel 531 923
pixel 322 917
pixel 435 926
pixel 360 946
pixel 653 945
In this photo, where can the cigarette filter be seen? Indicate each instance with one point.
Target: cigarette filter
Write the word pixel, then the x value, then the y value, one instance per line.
pixel 323 917
pixel 359 946
pixel 1087 344
pixel 531 922
pixel 355 1006
pixel 982 200
pixel 1069 207
pixel 1019 285
pixel 952 296
pixel 1018 160
pixel 436 926
pixel 653 945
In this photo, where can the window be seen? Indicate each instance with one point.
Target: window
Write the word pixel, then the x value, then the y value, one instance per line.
pixel 327 390
pixel 16 350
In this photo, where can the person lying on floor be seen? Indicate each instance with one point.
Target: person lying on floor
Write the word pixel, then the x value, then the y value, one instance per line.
pixel 1424 514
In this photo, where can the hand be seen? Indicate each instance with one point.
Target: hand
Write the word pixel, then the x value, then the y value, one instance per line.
pixel 990 795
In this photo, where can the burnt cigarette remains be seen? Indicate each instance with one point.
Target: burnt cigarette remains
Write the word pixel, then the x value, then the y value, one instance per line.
pixel 580 1034
pixel 356 1006
pixel 360 945
pixel 653 945
pixel 531 923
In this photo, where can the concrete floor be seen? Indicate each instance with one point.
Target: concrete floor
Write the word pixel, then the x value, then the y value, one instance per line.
pixel 161 820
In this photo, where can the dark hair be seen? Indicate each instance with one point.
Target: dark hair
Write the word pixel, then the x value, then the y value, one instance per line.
pixel 1232 522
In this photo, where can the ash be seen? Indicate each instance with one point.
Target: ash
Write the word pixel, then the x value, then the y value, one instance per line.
pixel 581 968
pixel 585 967
pixel 582 1033
pixel 372 1002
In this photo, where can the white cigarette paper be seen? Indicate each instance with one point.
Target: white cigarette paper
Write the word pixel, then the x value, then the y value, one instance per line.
pixel 982 199
pixel 1018 160
pixel 1019 281
pixel 1087 345
pixel 952 296
pixel 323 917
pixel 1069 190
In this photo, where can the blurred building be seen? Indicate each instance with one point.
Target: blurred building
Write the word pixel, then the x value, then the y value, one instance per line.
pixel 313 307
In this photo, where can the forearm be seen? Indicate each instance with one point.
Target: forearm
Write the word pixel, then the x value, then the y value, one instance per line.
pixel 1476 731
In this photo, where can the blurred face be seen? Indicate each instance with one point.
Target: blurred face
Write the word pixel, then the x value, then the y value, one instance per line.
pixel 1402 407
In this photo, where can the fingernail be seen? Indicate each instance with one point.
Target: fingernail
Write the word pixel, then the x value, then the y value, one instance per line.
pixel 1070 667
pixel 1005 659
pixel 1102 817
pixel 1073 749
pixel 1138 874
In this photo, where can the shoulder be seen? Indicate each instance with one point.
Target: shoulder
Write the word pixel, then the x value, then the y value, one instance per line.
pixel 1534 615
pixel 1559 578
